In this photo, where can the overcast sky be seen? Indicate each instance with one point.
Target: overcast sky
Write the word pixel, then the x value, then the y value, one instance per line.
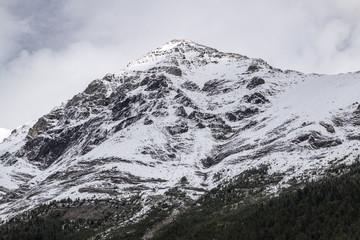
pixel 51 49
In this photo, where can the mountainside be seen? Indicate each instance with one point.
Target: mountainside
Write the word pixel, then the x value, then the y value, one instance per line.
pixel 184 116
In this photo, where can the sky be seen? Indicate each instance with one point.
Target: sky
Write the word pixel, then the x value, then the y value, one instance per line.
pixel 52 49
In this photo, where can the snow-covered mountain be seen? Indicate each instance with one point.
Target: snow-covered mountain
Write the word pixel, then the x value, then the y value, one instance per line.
pixel 183 115
pixel 4 133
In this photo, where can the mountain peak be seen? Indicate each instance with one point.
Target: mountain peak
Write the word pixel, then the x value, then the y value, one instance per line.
pixel 174 43
pixel 175 124
pixel 179 51
pixel 186 44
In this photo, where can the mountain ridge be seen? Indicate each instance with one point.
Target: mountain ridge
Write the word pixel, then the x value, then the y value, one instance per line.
pixel 186 116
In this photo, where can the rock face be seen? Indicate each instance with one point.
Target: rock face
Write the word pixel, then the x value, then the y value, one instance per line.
pixel 254 82
pixel 182 112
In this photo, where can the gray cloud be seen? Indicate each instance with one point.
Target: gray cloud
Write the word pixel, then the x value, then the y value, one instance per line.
pixel 50 50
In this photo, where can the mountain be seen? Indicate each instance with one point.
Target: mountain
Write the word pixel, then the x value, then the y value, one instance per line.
pixel 185 119
pixel 4 133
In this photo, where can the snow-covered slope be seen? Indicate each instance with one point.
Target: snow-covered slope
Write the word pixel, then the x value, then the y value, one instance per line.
pixel 184 115
pixel 4 133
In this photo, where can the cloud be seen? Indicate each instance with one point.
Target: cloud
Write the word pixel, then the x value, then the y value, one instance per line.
pixel 36 82
pixel 50 50
pixel 10 29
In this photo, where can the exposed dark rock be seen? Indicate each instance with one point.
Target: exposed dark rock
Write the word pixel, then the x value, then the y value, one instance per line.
pixel 94 138
pixel 357 111
pixel 256 98
pixel 196 115
pixel 338 122
pixel 178 129
pixel 200 125
pixel 353 137
pixel 328 127
pixel 214 86
pixel 145 81
pixel 253 68
pixel 208 162
pixel 160 113
pixel 40 126
pixel 46 150
pixel 161 93
pixel 174 71
pixel 316 140
pixel 254 82
pixel 125 88
pixel 181 98
pixel 355 119
pixel 156 83
pixel 172 155
pixel 55 115
pixel 148 121
pixel 248 112
pixel 75 100
pixel 249 125
pixel 190 86
pixel 225 152
pixel 96 86
pixel 267 149
pixel 170 70
pixel 219 129
pixel 109 77
pixel 181 112
pixel 122 107
pixel 241 114
pixel 231 117
pixel 324 143
pixel 127 122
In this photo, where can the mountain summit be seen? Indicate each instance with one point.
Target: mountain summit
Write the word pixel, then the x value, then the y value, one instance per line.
pixel 185 117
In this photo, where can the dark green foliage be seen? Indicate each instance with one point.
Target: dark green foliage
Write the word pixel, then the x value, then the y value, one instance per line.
pixel 159 212
pixel 138 229
pixel 328 209
pixel 83 219
pixel 46 228
pixel 67 219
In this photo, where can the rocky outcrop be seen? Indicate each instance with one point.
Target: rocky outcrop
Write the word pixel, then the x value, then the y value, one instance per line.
pixel 241 114
pixel 181 112
pixel 42 125
pixel 216 86
pixel 256 98
pixel 182 127
pixel 157 83
pixel 356 117
pixel 330 128
pixel 189 85
pixel 316 140
pixel 253 68
pixel 255 82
